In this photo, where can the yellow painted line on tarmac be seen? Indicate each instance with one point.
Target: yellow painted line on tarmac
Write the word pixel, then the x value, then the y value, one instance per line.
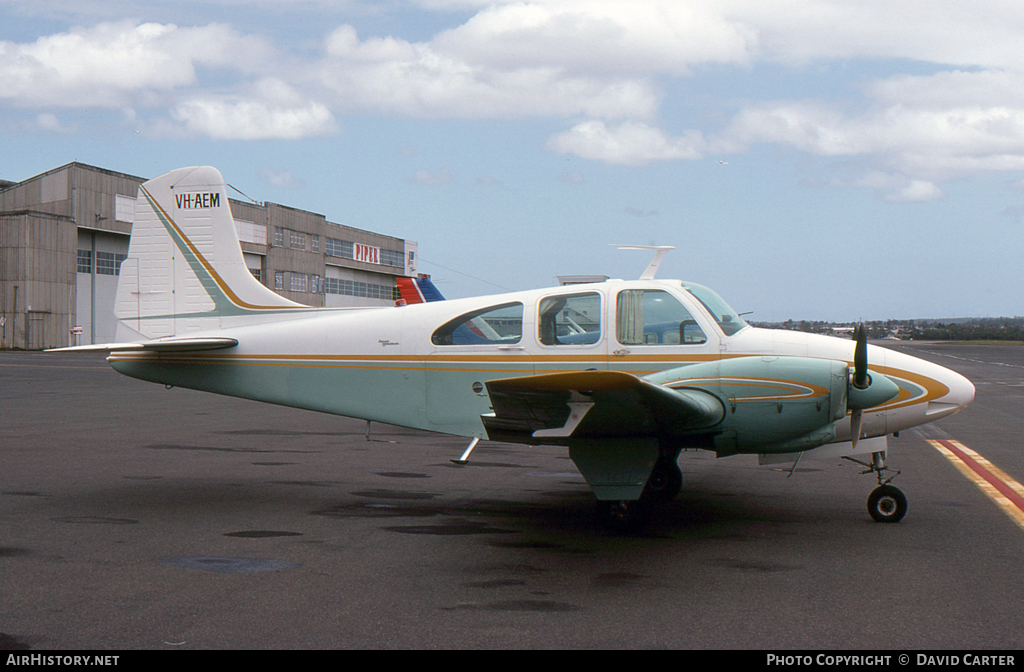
pixel 1007 493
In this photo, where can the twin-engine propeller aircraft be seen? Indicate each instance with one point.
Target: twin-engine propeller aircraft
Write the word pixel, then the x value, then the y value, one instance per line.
pixel 626 374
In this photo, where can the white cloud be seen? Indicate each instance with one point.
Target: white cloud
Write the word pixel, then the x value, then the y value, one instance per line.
pixel 934 143
pixel 419 80
pixel 269 109
pixel 981 33
pixel 604 61
pixel 600 37
pixel 917 190
pixel 426 177
pixel 629 143
pixel 49 123
pixel 111 64
pixel 639 213
pixel 259 117
pixel 950 89
pixel 891 187
pixel 281 179
pixel 45 123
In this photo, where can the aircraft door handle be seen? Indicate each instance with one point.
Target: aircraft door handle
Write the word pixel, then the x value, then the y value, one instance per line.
pixel 511 347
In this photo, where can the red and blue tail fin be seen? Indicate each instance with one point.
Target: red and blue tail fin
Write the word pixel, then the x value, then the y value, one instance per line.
pixel 418 290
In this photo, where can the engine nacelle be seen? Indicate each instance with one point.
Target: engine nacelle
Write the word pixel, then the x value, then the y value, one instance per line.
pixel 773 404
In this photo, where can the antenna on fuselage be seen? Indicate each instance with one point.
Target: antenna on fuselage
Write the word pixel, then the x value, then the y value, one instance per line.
pixel 659 253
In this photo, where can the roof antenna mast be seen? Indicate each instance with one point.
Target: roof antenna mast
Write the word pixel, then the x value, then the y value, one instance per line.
pixel 659 253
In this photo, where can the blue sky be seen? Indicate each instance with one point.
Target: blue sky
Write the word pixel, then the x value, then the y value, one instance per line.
pixel 809 159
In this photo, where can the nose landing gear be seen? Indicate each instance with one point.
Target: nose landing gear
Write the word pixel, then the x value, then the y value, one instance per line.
pixel 886 503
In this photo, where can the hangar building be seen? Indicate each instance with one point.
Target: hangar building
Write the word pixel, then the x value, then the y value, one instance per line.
pixel 63 235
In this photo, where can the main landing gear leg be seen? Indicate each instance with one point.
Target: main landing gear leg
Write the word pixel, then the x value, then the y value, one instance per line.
pixel 886 503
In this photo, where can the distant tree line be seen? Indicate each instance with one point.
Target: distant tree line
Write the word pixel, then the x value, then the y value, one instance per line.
pixel 957 329
pixel 990 329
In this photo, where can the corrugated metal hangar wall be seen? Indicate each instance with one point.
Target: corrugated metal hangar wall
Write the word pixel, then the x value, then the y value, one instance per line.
pixel 63 235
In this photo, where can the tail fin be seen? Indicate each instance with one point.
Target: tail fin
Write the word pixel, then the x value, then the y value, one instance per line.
pixel 418 290
pixel 185 271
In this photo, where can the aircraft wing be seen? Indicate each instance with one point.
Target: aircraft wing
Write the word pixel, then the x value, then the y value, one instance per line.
pixel 550 408
pixel 160 345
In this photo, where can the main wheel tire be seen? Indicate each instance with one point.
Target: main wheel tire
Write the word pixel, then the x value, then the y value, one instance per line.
pixel 665 481
pixel 887 504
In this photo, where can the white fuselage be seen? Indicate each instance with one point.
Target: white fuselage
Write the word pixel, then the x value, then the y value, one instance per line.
pixel 391 364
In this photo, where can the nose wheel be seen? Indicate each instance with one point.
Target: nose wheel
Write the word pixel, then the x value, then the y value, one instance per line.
pixel 886 503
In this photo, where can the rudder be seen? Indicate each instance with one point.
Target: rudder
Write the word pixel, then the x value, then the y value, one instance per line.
pixel 185 271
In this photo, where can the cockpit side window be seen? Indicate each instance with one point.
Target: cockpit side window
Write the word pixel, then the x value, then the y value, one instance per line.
pixel 654 317
pixel 494 325
pixel 728 319
pixel 570 319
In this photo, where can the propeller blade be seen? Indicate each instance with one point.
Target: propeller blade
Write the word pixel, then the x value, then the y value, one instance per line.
pixel 860 379
pixel 863 390
pixel 860 359
pixel 855 417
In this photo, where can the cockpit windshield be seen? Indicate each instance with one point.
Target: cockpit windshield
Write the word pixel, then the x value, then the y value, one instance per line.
pixel 727 318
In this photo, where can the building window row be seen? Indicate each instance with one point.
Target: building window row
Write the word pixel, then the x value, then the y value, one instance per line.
pixel 296 239
pixel 361 289
pixel 107 263
pixel 251 232
pixel 297 282
pixel 392 258
pixel 344 249
pixel 339 248
pixel 85 261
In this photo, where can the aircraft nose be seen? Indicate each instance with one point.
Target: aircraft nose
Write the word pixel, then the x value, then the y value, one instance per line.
pixel 961 390
pixel 959 397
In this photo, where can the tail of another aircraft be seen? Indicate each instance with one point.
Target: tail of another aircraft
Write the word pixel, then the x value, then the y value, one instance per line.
pixel 185 271
pixel 418 290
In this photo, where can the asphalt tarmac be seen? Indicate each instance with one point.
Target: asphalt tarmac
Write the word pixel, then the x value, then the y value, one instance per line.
pixel 136 517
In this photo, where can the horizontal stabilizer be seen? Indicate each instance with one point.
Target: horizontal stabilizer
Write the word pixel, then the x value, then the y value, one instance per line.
pixel 160 345
pixel 540 409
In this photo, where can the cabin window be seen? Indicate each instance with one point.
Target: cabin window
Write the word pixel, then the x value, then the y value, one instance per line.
pixel 570 319
pixel 494 325
pixel 654 317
